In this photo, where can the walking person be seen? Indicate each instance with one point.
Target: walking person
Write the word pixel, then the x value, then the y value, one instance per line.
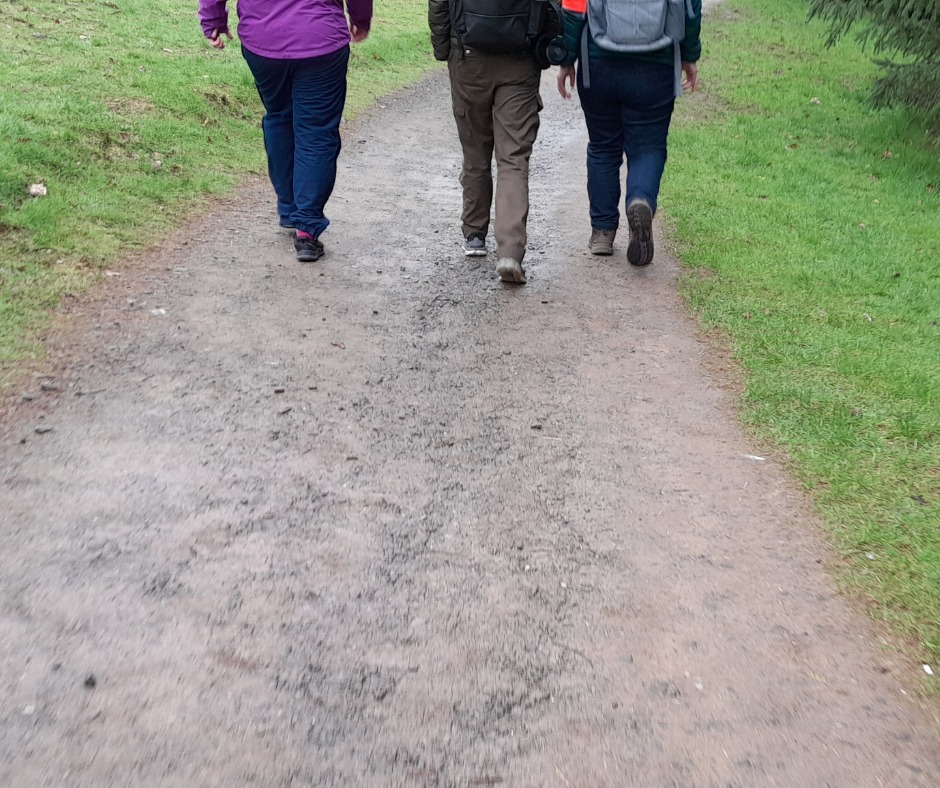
pixel 631 67
pixel 496 104
pixel 298 54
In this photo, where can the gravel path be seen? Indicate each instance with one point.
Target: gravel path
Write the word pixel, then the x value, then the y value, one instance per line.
pixel 382 521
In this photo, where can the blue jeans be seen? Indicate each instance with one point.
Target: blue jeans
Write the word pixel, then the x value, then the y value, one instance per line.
pixel 304 102
pixel 627 110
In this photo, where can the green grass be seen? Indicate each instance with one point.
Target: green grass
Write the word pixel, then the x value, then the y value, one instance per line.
pixel 809 229
pixel 93 95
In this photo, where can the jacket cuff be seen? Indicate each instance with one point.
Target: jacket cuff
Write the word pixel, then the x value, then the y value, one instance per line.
pixel 220 24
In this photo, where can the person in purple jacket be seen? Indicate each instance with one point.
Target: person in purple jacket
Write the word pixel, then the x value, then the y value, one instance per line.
pixel 298 53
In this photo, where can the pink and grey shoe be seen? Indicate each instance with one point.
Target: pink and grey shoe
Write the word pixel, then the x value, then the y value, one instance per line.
pixel 308 248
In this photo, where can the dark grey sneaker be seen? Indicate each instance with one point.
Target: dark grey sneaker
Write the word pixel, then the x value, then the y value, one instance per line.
pixel 511 271
pixel 640 219
pixel 475 245
pixel 602 241
pixel 308 249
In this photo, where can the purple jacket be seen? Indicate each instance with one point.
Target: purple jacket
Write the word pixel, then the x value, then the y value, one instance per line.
pixel 288 29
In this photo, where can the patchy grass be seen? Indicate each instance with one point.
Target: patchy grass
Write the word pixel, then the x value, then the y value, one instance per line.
pixel 816 223
pixel 130 120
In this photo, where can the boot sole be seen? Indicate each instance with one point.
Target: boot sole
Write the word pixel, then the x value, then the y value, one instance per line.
pixel 640 248
pixel 511 273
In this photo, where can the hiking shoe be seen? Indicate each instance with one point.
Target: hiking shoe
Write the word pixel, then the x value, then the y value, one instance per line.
pixel 475 245
pixel 640 219
pixel 309 249
pixel 602 241
pixel 510 270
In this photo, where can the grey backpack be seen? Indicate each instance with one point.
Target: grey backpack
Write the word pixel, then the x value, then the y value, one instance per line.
pixel 636 26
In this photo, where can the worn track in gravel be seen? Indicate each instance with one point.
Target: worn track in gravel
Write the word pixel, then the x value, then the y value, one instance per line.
pixel 382 521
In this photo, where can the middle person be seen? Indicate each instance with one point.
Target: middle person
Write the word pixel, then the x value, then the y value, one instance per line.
pixel 494 78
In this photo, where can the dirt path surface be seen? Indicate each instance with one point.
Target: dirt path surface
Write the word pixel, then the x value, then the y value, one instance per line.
pixel 383 521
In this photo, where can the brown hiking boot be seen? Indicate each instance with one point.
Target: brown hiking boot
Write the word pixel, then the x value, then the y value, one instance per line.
pixel 511 271
pixel 602 241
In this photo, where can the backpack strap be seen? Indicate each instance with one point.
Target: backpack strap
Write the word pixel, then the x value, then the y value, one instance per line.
pixel 585 69
pixel 678 68
pixel 536 17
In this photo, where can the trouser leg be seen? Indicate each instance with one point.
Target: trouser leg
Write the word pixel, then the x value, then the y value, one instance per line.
pixel 602 116
pixel 645 115
pixel 472 97
pixel 273 81
pixel 516 123
pixel 319 95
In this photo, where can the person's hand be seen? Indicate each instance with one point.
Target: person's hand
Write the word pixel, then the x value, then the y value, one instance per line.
pixel 690 70
pixel 565 74
pixel 358 34
pixel 217 41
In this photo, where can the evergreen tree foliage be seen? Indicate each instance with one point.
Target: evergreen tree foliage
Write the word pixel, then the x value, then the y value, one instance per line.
pixel 906 30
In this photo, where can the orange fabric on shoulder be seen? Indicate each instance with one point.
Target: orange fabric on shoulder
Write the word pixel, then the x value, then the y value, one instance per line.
pixel 575 6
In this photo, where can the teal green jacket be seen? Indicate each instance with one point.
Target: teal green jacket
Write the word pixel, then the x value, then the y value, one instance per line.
pixel 690 48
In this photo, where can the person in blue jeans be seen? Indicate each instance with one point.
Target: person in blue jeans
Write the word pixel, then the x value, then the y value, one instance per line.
pixel 298 54
pixel 627 108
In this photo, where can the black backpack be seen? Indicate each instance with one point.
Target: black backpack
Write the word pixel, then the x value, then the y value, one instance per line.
pixel 507 26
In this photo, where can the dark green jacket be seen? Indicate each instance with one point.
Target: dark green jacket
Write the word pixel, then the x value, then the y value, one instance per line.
pixel 443 36
pixel 690 48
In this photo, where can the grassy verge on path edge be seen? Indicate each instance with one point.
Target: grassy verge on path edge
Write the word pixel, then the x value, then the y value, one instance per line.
pixel 131 121
pixel 809 230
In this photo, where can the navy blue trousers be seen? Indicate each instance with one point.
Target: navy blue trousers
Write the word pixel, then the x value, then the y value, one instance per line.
pixel 304 101
pixel 627 110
